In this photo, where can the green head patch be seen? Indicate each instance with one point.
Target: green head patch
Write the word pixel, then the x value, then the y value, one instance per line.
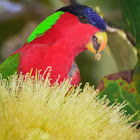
pixel 44 26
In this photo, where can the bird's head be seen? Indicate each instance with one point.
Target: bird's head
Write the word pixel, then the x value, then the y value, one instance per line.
pixel 86 26
pixel 72 28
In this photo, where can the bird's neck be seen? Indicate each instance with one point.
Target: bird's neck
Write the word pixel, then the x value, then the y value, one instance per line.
pixel 67 46
pixel 67 35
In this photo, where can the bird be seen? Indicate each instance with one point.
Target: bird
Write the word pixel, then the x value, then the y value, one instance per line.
pixel 56 42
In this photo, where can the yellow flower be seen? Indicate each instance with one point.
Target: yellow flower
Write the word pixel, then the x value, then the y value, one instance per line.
pixel 31 109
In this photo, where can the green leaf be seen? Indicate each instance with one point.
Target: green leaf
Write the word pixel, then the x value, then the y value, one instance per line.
pixel 131 14
pixel 136 75
pixel 120 87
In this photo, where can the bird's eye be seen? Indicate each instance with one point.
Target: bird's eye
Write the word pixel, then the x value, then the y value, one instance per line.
pixel 83 19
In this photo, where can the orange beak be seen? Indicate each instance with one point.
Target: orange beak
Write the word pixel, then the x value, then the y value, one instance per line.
pixel 98 42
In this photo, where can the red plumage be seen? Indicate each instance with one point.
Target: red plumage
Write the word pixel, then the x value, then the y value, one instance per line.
pixel 57 48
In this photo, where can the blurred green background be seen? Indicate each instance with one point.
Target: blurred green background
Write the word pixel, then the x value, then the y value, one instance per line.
pixel 18 18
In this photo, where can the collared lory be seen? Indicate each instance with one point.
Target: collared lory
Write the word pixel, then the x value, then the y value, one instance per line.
pixel 57 41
